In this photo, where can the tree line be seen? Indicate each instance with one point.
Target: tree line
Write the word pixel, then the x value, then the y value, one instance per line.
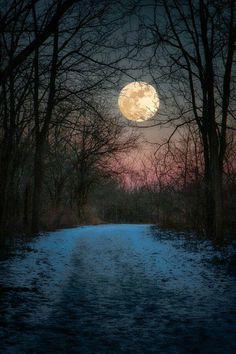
pixel 56 61
pixel 192 56
pixel 58 137
pixel 166 187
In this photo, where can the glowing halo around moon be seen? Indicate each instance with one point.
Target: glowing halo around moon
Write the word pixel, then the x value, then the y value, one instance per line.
pixel 138 101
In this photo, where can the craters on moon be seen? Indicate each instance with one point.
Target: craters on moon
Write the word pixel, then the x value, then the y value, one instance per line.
pixel 138 101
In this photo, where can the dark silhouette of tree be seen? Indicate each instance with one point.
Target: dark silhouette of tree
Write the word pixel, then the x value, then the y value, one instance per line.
pixel 95 142
pixel 22 9
pixel 51 57
pixel 194 46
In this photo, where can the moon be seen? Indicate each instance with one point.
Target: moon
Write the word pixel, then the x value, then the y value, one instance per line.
pixel 138 101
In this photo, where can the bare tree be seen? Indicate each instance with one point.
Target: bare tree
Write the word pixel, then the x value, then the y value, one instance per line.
pixel 22 9
pixel 96 142
pixel 71 63
pixel 50 56
pixel 194 45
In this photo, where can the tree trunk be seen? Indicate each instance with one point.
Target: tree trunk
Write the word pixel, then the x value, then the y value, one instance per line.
pixel 26 207
pixel 214 201
pixel 81 203
pixel 218 200
pixel 213 185
pixel 4 182
pixel 208 197
pixel 38 182
pixel 41 135
pixel 6 175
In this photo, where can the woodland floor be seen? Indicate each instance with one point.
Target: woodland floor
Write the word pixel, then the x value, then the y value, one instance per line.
pixel 117 289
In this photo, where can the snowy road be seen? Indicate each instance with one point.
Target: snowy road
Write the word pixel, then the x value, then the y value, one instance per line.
pixel 115 289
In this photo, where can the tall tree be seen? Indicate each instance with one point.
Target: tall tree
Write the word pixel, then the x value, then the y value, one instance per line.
pixel 194 44
pixel 72 63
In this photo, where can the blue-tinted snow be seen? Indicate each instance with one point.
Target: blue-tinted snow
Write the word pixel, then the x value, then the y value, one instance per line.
pixel 116 289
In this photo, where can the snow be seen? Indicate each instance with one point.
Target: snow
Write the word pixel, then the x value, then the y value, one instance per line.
pixel 116 289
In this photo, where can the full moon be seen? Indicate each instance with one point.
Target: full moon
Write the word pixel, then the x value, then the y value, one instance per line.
pixel 138 101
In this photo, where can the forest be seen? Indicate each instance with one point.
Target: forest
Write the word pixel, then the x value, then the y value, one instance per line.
pixel 117 176
pixel 63 148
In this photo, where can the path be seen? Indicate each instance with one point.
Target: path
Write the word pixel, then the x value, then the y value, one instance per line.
pixel 115 289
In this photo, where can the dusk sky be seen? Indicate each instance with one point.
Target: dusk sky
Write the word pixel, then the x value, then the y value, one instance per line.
pixel 117 176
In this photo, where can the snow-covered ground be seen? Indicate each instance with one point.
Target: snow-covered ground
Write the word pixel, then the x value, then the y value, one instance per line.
pixel 116 289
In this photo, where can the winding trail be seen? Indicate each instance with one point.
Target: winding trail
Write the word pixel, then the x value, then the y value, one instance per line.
pixel 116 289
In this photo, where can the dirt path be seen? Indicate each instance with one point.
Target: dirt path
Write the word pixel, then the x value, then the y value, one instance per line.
pixel 116 289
